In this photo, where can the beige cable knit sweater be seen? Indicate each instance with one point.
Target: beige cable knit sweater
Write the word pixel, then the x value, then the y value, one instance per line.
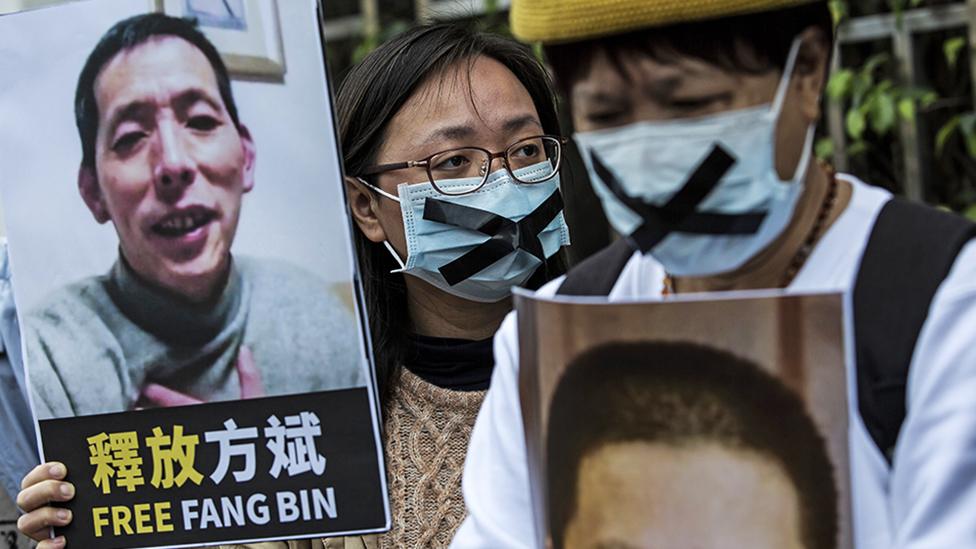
pixel 426 434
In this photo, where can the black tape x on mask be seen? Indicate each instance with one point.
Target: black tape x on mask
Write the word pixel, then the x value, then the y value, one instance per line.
pixel 479 246
pixel 702 196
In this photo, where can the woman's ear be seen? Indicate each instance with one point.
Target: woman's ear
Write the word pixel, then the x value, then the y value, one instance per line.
pixel 363 205
pixel 811 71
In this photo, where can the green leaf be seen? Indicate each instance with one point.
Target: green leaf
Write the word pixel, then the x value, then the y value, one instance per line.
pixel 363 49
pixel 945 132
pixel 971 145
pixel 918 93
pixel 839 11
pixel 967 125
pixel 539 53
pixel 897 7
pixel 970 212
pixel 906 108
pixel 861 87
pixel 824 148
pixel 856 123
pixel 882 113
pixel 874 63
pixel 840 84
pixel 857 148
pixel 952 48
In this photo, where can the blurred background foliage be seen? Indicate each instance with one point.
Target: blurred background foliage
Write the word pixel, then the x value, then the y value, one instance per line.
pixel 365 24
pixel 910 131
pixel 926 93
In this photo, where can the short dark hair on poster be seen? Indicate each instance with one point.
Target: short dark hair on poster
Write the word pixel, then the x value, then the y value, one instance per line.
pixel 128 34
pixel 754 43
pixel 679 393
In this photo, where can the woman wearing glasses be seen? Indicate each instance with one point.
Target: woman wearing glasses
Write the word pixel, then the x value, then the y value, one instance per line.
pixel 451 142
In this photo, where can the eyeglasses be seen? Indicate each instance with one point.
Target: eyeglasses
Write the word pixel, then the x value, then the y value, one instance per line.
pixel 529 161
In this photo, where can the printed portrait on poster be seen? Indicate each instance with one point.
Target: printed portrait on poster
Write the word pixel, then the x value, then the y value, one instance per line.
pixel 676 424
pixel 189 310
pixel 185 279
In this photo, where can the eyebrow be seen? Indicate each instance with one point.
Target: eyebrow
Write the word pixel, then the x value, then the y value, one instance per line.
pixel 453 133
pixel 658 89
pixel 129 111
pixel 513 125
pixel 139 107
pixel 461 132
pixel 661 88
pixel 600 96
pixel 192 96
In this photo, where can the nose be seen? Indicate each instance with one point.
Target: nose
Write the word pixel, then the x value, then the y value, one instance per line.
pixel 497 163
pixel 174 169
pixel 492 166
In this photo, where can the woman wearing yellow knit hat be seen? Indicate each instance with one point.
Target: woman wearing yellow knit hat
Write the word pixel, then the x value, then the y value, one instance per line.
pixel 695 119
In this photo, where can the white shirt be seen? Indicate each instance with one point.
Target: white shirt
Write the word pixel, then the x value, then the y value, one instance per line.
pixel 927 499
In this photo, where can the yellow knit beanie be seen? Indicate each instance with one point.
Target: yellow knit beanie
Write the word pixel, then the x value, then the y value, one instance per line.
pixel 553 21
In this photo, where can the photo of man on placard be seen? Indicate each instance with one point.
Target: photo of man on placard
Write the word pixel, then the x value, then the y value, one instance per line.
pixel 179 319
pixel 671 423
pixel 656 444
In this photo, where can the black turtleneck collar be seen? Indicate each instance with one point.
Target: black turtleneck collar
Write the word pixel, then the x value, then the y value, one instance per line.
pixel 456 364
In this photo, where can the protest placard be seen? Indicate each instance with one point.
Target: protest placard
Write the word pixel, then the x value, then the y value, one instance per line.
pixel 693 421
pixel 183 269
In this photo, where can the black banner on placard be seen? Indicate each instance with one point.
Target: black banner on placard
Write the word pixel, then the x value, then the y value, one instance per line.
pixel 298 465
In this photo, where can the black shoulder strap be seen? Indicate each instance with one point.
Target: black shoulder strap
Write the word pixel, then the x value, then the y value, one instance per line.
pixel 597 275
pixel 909 253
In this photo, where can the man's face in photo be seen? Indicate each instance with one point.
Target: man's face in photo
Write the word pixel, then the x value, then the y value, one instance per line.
pixel 707 496
pixel 170 165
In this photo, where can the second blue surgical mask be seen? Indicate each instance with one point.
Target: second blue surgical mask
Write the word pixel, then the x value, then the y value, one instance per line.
pixel 479 246
pixel 701 196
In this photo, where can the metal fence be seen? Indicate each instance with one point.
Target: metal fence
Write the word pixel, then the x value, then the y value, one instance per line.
pixel 901 35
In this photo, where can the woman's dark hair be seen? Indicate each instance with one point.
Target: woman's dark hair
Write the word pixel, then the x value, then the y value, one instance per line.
pixel 371 94
pixel 753 43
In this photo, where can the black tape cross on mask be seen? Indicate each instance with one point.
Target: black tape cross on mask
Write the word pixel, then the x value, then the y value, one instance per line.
pixel 678 214
pixel 506 235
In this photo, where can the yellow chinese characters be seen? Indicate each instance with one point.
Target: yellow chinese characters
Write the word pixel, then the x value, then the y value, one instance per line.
pixel 117 461
pixel 167 452
pixel 116 455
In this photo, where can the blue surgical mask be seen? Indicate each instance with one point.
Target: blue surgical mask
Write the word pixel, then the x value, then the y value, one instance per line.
pixel 479 246
pixel 701 196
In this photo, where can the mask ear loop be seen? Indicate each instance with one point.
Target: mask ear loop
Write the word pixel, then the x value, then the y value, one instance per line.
pixel 377 189
pixel 801 167
pixel 784 83
pixel 389 248
pixel 780 99
pixel 396 257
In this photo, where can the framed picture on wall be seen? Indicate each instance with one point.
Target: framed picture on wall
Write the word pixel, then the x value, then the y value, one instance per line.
pixel 247 33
